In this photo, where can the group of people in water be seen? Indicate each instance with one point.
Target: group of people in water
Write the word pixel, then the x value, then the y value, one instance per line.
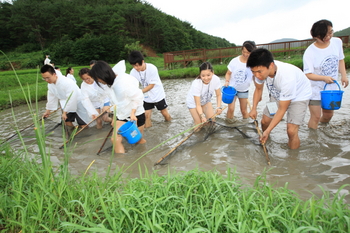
pixel 291 90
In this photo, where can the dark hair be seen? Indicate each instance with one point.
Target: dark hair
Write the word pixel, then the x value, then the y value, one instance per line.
pixel 205 66
pixel 260 57
pixel 47 68
pixel 249 45
pixel 320 28
pixel 101 70
pixel 92 62
pixel 135 57
pixel 68 70
pixel 83 71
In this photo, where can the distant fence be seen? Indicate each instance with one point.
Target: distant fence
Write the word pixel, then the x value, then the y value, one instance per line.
pixel 184 57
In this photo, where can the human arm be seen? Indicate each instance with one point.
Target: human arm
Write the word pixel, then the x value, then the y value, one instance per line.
pixel 218 101
pixel 227 77
pixel 342 70
pixel 197 100
pixel 282 108
pixel 316 77
pixel 148 88
pixel 256 99
pixel 132 115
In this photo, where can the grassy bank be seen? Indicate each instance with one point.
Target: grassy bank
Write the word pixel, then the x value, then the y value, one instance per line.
pixel 35 198
pixel 31 78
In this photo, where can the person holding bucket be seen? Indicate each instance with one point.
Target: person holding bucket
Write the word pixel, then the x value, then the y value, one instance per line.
pixel 123 91
pixel 289 90
pixel 202 89
pixel 239 77
pixel 322 61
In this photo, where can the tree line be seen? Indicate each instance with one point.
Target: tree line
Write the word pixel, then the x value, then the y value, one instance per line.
pixel 76 31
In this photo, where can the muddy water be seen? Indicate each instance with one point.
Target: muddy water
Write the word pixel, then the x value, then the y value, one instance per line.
pixel 322 160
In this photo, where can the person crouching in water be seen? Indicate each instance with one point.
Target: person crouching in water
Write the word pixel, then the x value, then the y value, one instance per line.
pixel 202 89
pixel 123 91
pixel 74 105
pixel 97 96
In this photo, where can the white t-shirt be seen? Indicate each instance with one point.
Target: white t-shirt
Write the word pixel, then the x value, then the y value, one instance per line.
pixel 70 76
pixel 70 97
pixel 241 76
pixel 150 76
pixel 96 94
pixel 323 62
pixel 47 61
pixel 125 93
pixel 204 91
pixel 289 83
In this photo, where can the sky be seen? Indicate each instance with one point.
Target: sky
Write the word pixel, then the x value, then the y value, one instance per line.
pixel 262 21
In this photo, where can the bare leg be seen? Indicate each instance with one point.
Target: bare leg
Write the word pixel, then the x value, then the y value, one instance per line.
pixel 231 109
pixel 315 116
pixel 148 115
pixel 292 131
pixel 166 114
pixel 117 139
pixel 142 140
pixel 243 106
pixel 265 122
pixel 326 115
pixel 98 120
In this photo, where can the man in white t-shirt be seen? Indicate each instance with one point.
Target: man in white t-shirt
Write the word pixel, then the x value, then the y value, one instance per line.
pixel 152 87
pixel 289 90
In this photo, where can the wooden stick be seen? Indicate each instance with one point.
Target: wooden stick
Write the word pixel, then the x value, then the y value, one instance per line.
pixel 186 138
pixel 260 135
pixel 82 128
pixel 104 142
pixel 25 128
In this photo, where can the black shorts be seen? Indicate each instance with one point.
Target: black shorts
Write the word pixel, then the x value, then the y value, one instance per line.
pixel 141 119
pixel 160 105
pixel 72 116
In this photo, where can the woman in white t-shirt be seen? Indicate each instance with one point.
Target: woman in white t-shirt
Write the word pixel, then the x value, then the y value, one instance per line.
pixel 97 96
pixel 124 92
pixel 70 74
pixel 322 61
pixel 239 77
pixel 202 89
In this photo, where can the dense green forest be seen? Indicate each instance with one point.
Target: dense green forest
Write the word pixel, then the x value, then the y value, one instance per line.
pixel 76 31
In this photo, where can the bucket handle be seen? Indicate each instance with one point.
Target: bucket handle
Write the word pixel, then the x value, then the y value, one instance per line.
pixel 335 81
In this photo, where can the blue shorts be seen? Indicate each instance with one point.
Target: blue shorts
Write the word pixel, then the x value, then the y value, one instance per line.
pixel 243 95
pixel 107 104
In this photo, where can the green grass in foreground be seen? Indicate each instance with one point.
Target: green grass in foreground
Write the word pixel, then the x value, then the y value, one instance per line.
pixel 34 199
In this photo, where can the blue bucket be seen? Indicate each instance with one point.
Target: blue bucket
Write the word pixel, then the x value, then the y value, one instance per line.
pixel 228 94
pixel 331 99
pixel 130 131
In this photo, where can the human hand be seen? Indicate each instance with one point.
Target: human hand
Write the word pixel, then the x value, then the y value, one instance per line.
pixel 64 116
pixel 253 114
pixel 328 79
pixel 345 81
pixel 264 137
pixel 46 114
pixel 226 83
pixel 218 111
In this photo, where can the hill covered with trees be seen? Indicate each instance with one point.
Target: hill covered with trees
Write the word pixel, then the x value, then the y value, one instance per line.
pixel 76 31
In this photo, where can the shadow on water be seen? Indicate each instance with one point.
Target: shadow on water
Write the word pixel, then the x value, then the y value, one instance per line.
pixel 322 160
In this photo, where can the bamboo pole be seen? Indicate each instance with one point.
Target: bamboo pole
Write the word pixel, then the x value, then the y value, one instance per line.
pixel 186 138
pixel 260 135
pixel 104 142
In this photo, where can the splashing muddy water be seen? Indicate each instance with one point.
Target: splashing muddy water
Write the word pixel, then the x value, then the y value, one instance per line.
pixel 323 158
